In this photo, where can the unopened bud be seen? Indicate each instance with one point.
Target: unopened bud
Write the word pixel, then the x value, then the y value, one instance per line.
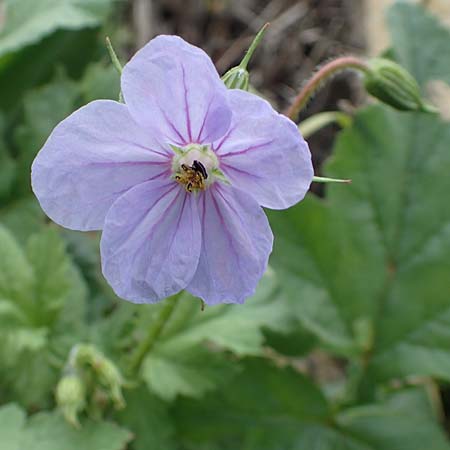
pixel 111 378
pixel 238 77
pixel 392 84
pixel 71 397
pixel 105 371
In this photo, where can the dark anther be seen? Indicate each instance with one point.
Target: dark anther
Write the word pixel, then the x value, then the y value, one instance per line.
pixel 199 167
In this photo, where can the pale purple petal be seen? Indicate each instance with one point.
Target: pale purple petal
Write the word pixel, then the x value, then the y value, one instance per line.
pixel 151 242
pixel 89 160
pixel 173 85
pixel 264 154
pixel 236 244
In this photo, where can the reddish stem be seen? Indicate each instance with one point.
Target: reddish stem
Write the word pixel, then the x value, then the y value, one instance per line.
pixel 326 72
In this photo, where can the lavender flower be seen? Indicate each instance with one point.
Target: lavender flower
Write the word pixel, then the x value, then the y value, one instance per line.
pixel 175 178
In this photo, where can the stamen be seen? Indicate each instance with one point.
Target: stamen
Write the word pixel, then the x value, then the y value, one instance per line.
pixel 192 177
pixel 198 166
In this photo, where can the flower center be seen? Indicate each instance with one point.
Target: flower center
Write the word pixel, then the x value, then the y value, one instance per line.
pixel 195 166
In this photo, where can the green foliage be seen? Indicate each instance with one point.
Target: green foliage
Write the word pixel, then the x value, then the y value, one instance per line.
pixel 47 431
pixel 27 21
pixel 266 408
pixel 420 42
pixel 392 222
pixel 148 418
pixel 377 252
pixel 361 275
pixel 12 420
pixel 180 363
pixel 41 313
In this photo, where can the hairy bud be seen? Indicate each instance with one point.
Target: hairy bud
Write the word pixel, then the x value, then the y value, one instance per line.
pixel 71 397
pixel 392 84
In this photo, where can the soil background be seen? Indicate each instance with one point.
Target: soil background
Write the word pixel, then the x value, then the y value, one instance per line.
pixel 302 35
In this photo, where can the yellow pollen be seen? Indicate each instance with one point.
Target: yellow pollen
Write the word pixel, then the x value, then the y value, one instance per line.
pixel 191 178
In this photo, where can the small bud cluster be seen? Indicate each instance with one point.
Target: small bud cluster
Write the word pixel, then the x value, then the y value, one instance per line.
pixel 88 374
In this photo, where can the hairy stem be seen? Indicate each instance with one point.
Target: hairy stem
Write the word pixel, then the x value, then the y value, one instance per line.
pixel 154 332
pixel 324 74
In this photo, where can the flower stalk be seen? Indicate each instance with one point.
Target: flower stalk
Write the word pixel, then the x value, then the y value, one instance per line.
pixel 318 121
pixel 154 332
pixel 324 74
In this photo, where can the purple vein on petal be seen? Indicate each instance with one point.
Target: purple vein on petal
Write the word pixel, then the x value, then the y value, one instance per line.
pixel 227 231
pixel 124 163
pixel 204 247
pixel 244 172
pixel 139 221
pixel 248 149
pixel 199 137
pixel 143 147
pixel 155 275
pixel 217 148
pixel 172 127
pixel 161 218
pixel 186 105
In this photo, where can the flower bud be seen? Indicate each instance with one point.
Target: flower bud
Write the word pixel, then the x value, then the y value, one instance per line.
pixel 111 378
pixel 237 78
pixel 71 397
pixel 392 84
pixel 87 356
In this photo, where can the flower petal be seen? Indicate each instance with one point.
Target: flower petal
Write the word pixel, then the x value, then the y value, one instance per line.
pixel 151 242
pixel 89 160
pixel 264 154
pixel 173 85
pixel 236 244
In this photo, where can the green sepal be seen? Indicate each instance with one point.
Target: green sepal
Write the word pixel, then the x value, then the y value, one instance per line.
pixel 392 84
pixel 237 78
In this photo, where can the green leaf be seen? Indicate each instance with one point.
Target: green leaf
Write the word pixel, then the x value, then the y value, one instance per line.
pixel 28 21
pixel 180 363
pixel 100 82
pixel 377 252
pixel 12 420
pixel 191 371
pixel 7 173
pixel 266 408
pixel 70 50
pixel 237 328
pixel 420 42
pixel 49 431
pixel 52 274
pixel 263 408
pixel 23 217
pixel 16 274
pixel 404 420
pixel 44 108
pixel 42 307
pixel 295 342
pixel 147 418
